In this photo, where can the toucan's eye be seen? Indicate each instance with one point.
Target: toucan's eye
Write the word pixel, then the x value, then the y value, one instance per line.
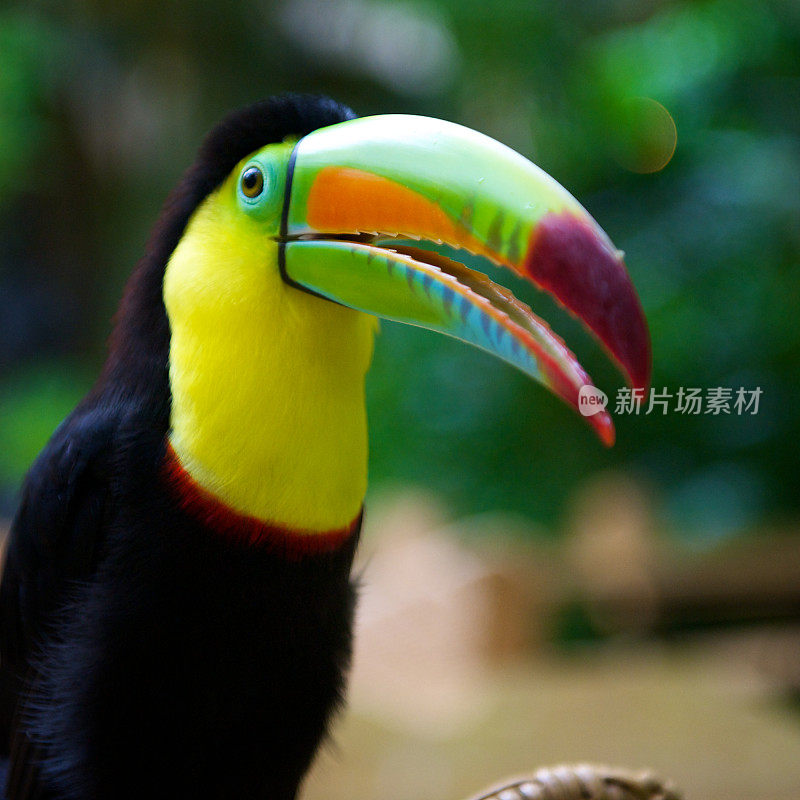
pixel 252 182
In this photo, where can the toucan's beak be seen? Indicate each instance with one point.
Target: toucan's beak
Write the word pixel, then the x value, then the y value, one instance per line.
pixel 411 177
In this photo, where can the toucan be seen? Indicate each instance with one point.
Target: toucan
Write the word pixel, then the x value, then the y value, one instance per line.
pixel 176 602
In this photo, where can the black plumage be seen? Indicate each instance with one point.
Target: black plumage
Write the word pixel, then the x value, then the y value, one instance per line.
pixel 144 655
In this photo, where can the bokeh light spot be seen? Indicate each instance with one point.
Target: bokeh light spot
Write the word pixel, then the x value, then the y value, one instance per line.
pixel 646 135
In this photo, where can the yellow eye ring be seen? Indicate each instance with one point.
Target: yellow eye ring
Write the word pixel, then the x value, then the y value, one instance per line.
pixel 252 182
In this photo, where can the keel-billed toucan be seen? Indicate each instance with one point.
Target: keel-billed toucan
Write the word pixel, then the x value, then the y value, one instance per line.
pixel 176 598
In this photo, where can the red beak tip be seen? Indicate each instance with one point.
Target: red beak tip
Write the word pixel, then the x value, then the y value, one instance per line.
pixel 572 261
pixel 604 427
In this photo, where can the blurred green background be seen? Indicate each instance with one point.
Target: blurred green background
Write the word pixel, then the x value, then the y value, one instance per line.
pixel 103 104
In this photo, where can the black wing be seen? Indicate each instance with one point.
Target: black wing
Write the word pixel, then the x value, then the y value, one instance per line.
pixel 55 541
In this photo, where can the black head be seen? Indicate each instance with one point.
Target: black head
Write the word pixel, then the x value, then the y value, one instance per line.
pixel 139 348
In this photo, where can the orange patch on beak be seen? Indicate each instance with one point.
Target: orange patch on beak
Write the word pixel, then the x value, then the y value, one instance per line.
pixel 348 200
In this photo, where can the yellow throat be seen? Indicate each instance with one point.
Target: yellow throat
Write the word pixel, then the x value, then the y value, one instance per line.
pixel 267 381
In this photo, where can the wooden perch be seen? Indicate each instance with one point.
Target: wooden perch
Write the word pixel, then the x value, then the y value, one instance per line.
pixel 584 782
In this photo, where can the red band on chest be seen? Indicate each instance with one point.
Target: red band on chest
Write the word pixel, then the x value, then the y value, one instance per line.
pixel 215 515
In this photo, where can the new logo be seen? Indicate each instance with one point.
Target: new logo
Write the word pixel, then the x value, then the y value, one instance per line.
pixel 591 400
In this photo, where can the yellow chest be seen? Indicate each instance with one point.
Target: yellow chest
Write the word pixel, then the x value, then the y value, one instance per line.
pixel 267 382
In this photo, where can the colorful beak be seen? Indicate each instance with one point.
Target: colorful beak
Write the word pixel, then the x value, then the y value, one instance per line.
pixel 408 177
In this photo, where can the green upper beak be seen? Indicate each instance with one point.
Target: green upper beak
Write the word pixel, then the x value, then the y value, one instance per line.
pixel 409 177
